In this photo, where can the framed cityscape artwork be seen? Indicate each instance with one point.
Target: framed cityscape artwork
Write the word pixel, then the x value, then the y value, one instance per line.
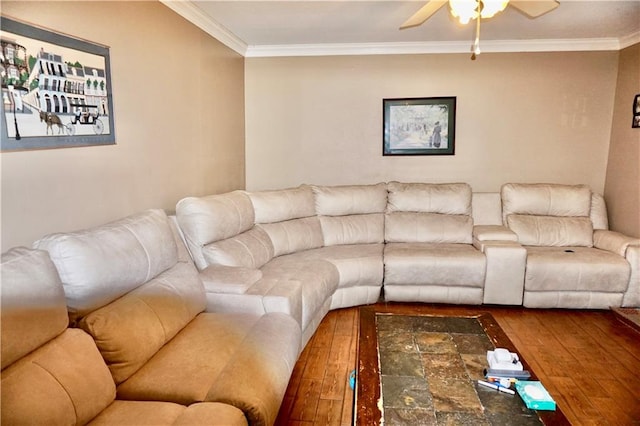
pixel 419 126
pixel 56 89
pixel 636 112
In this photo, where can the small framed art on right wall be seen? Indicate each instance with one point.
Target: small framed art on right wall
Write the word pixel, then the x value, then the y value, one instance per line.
pixel 636 112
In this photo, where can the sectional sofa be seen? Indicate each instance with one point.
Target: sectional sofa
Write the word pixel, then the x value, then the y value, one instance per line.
pixel 537 245
pixel 125 323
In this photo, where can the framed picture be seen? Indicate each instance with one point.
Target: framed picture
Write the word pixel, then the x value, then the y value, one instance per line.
pixel 419 126
pixel 636 112
pixel 56 89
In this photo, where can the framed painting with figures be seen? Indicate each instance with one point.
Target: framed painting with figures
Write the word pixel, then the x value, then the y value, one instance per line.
pixel 56 89
pixel 419 126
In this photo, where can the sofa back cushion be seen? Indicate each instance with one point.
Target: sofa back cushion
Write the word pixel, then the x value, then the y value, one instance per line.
pixel 351 214
pixel 429 213
pixel 353 229
pixel 100 264
pixel 542 199
pixel 283 204
pixel 410 227
pixel 33 305
pixel 442 198
pixel 291 236
pixel 131 329
pixel 350 199
pixel 63 382
pixel 251 249
pixel 288 217
pixel 51 374
pixel 551 231
pixel 204 220
pixel 548 214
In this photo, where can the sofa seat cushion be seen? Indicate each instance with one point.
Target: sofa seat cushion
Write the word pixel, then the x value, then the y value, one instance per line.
pixel 229 279
pixel 131 329
pixel 237 359
pixel 575 269
pixel 155 413
pixel 433 264
pixel 318 280
pixel 357 264
pixel 65 381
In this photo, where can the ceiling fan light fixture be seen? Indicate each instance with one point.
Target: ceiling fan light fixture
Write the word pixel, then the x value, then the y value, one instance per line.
pixel 492 7
pixel 464 10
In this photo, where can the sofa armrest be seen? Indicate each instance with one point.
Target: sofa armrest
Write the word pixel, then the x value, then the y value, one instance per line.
pixel 629 248
pixel 614 242
pixel 229 279
pixel 483 233
pixel 504 278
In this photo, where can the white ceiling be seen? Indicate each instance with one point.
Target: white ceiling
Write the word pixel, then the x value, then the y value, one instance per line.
pixel 279 28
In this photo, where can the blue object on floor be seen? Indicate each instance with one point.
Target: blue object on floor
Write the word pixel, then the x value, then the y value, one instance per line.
pixel 352 380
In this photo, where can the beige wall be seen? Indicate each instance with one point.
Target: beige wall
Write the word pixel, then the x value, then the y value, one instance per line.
pixel 178 100
pixel 622 189
pixel 530 117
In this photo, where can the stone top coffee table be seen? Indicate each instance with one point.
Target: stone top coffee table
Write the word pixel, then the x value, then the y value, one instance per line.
pixel 420 369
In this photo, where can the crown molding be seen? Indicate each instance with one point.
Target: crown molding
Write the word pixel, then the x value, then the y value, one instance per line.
pixel 196 16
pixel 404 48
pixel 629 40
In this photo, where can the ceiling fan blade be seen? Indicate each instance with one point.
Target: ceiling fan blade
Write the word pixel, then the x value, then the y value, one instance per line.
pixel 534 8
pixel 424 13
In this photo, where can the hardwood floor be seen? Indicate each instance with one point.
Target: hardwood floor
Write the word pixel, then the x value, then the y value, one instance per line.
pixel 588 360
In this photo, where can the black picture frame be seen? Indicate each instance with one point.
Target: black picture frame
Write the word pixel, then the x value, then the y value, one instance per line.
pixel 419 126
pixel 635 123
pixel 56 90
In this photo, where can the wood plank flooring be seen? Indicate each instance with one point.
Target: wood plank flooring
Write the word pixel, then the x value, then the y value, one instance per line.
pixel 588 360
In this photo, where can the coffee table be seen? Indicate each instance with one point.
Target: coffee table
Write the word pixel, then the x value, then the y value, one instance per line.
pixel 416 368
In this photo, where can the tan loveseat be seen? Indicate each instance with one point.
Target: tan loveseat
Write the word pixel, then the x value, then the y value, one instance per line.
pixel 141 349
pixel 54 375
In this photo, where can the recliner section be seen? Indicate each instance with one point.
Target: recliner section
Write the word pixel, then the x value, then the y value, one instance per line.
pixel 573 261
pixel 52 374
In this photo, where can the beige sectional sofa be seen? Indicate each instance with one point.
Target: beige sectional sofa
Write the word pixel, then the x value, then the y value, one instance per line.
pixel 422 242
pixel 209 331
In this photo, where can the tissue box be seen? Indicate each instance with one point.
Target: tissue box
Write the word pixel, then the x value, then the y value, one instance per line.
pixel 535 396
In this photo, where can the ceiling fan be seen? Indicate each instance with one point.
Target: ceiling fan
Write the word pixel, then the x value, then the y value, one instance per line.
pixel 466 10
